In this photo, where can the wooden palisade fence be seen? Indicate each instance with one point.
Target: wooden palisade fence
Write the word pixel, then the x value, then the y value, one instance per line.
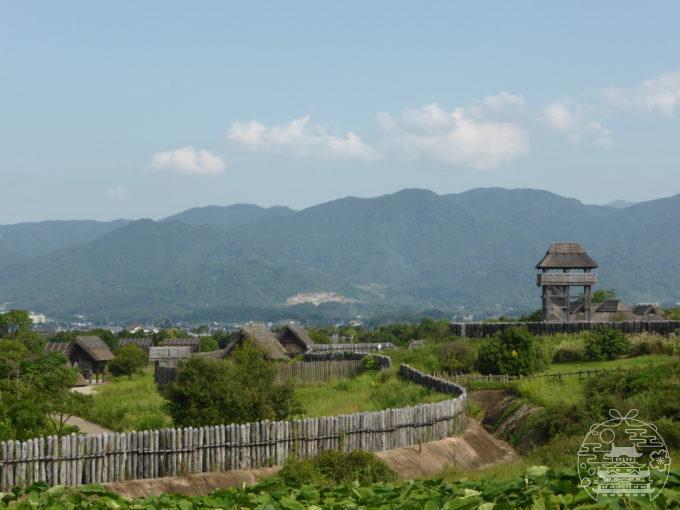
pixel 484 329
pixel 105 458
pixel 358 347
pixel 468 380
pixel 317 367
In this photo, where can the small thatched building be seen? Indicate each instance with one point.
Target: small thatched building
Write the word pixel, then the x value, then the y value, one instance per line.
pixel 295 340
pixel 261 337
pixel 88 353
pixel 193 343
pixel 143 343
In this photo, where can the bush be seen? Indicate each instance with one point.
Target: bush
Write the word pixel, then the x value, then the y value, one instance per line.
pixel 129 360
pixel 569 354
pixel 369 362
pixel 652 344
pixel 515 351
pixel 332 467
pixel 457 357
pixel 605 343
pixel 208 343
pixel 238 390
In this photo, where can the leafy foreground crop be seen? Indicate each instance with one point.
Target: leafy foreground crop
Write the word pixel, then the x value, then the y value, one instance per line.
pixel 539 488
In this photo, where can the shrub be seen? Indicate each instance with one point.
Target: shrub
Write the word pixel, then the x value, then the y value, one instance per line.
pixel 652 344
pixel 369 362
pixel 515 352
pixel 457 357
pixel 568 354
pixel 129 360
pixel 332 467
pixel 238 390
pixel 208 343
pixel 605 343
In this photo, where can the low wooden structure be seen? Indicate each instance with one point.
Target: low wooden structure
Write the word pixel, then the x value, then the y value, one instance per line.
pixel 358 347
pixel 295 340
pixel 168 354
pixel 485 329
pixel 111 457
pixel 192 343
pixel 87 353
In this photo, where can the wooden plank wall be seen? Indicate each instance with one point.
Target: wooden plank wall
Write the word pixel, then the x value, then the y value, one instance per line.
pixel 358 347
pixel 104 458
pixel 485 329
pixel 325 367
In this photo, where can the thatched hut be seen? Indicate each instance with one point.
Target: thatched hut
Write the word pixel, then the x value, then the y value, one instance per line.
pixel 295 340
pixel 88 353
pixel 260 336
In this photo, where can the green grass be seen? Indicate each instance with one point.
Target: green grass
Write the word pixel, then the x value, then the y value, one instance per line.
pixel 124 404
pixel 639 361
pixel 371 391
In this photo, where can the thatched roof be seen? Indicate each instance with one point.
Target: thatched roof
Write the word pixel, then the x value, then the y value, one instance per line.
pixel 61 347
pixel 193 343
pixel 142 343
pixel 300 334
pixel 260 336
pixel 566 256
pixel 216 354
pixel 95 348
pixel 613 306
pixel 647 309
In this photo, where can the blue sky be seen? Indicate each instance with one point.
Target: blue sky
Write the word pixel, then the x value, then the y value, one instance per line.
pixel 142 109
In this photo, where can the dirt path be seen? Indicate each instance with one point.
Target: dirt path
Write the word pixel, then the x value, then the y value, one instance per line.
pixel 474 449
pixel 85 426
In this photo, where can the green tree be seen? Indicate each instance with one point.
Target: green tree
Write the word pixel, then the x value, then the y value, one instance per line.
pixel 515 352
pixel 208 343
pixel 238 390
pixel 606 343
pixel 14 321
pixel 129 360
pixel 602 295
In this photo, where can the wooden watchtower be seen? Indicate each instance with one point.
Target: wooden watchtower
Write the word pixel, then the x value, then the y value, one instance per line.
pixel 566 266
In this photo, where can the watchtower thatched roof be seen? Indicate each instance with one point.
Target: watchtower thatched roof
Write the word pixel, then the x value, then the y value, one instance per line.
pixel 94 347
pixel 261 337
pixel 566 256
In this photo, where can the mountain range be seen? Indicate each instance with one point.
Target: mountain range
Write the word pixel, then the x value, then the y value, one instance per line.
pixel 413 250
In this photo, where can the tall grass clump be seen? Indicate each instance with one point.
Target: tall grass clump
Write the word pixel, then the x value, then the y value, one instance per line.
pixel 128 404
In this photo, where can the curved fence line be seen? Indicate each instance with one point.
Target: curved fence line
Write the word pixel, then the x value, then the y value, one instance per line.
pixel 484 329
pixel 106 458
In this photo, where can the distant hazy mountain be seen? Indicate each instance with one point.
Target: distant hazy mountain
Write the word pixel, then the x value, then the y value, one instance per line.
pixel 229 216
pixel 411 250
pixel 619 204
pixel 39 238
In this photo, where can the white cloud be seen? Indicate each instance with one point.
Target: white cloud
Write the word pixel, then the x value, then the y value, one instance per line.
pixel 458 138
pixel 502 100
pixel 659 95
pixel 302 139
pixel 186 160
pixel 572 120
pixel 117 193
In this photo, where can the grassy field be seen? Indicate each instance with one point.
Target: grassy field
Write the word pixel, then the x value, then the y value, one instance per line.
pixel 124 404
pixel 372 391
